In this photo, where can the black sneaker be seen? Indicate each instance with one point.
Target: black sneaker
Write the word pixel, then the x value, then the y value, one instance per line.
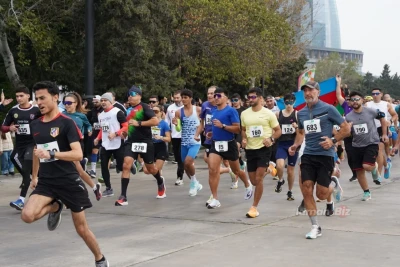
pixel 301 208
pixel 97 191
pixel 54 219
pixel 103 263
pixel 290 196
pixel 278 187
pixel 377 182
pixel 330 209
pixel 352 179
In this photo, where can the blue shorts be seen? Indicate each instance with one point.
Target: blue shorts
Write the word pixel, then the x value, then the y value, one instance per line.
pixel 394 133
pixel 283 152
pixel 189 151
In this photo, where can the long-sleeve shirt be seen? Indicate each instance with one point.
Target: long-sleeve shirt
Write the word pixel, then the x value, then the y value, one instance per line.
pixel 80 120
pixel 6 144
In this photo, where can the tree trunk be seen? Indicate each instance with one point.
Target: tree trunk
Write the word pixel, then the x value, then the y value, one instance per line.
pixel 8 58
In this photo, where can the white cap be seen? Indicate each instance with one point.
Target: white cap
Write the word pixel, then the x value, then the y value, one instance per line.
pixel 97 97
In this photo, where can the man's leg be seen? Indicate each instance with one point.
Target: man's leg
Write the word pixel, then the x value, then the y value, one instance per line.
pixel 176 146
pixel 105 156
pixel 214 173
pixel 38 206
pixel 188 154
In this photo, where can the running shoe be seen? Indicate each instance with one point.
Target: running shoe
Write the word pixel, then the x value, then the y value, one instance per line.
pixel 375 174
pixel 18 204
pixel 101 180
pixel 249 192
pixel 133 169
pixel 214 204
pixel 290 196
pixel 330 209
pixel 234 185
pixel 161 190
pixel 302 207
pixel 174 162
pixel 252 213
pixel 233 176
pixel 273 171
pixel 278 187
pixel 195 187
pixel 210 199
pixel 386 174
pixel 103 263
pixel 122 201
pixel 179 182
pixel 54 219
pixel 352 179
pixel 315 232
pixel 337 191
pixel 366 196
pixel 243 166
pixel 97 191
pixel 92 173
pixel 109 192
pixel 84 163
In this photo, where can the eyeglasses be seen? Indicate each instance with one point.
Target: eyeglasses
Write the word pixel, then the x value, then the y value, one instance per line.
pixel 68 103
pixel 375 93
pixel 289 102
pixel 152 102
pixel 156 111
pixel 218 95
pixel 132 93
pixel 252 97
pixel 234 100
pixel 355 99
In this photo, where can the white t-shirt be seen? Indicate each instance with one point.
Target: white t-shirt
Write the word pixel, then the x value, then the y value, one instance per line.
pixel 168 118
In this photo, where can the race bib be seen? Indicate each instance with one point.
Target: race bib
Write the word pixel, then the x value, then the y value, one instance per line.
pixel 221 146
pixel 312 126
pixel 139 147
pixel 96 126
pixel 105 126
pixel 208 119
pixel 155 131
pixel 24 129
pixel 52 146
pixel 360 129
pixel 288 129
pixel 256 131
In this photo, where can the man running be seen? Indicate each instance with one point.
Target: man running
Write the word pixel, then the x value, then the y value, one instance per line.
pixel 17 120
pixel 316 121
pixel 260 129
pixel 365 140
pixel 94 120
pixel 57 182
pixel 270 104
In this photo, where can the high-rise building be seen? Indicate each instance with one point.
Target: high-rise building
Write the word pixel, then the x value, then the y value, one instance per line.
pixel 325 24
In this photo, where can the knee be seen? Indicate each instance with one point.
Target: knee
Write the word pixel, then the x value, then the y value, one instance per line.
pixel 81 230
pixel 27 216
pixel 126 166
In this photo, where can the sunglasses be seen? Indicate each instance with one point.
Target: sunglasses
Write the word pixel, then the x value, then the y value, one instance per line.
pixel 218 96
pixel 289 102
pixel 355 99
pixel 152 102
pixel 156 111
pixel 252 97
pixel 132 93
pixel 68 103
pixel 375 93
pixel 234 100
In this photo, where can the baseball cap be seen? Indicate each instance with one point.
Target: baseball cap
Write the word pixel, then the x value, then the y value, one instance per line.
pixel 135 89
pixel 97 97
pixel 311 84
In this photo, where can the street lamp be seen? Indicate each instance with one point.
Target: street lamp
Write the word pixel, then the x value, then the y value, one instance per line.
pixel 89 47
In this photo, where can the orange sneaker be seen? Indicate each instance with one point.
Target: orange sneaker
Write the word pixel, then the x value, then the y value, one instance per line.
pixel 272 169
pixel 252 213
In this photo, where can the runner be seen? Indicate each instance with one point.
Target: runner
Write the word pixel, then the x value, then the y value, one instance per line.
pixel 114 128
pixel 260 128
pixel 225 123
pixel 17 120
pixel 187 122
pixel 287 119
pixel 316 121
pixel 57 183
pixel 139 142
pixel 94 120
pixel 270 104
pixel 393 128
pixel 365 140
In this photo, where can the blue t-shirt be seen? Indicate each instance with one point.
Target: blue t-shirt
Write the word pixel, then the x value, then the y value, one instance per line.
pixel 162 128
pixel 206 115
pixel 227 116
pixel 81 121
pixel 316 123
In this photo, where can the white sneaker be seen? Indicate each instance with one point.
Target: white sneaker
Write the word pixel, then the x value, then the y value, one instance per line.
pixel 210 199
pixel 314 233
pixel 214 204
pixel 249 192
pixel 194 188
pixel 179 182
pixel 234 185
pixel 233 177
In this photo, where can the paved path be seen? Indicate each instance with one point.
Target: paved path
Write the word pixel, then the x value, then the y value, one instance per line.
pixel 181 231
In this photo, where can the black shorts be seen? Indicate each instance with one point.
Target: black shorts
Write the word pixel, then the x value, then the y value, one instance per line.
pixel 380 133
pixel 363 155
pixel 232 154
pixel 94 136
pixel 238 138
pixel 274 149
pixel 148 156
pixel 160 151
pixel 207 147
pixel 72 193
pixel 258 158
pixel 317 168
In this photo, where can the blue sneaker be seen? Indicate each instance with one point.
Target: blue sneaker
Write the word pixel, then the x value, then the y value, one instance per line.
pixel 337 191
pixel 366 196
pixel 194 188
pixel 386 175
pixel 18 204
pixel 243 167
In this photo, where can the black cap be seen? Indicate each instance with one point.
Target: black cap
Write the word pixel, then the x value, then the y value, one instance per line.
pixel 135 89
pixel 311 84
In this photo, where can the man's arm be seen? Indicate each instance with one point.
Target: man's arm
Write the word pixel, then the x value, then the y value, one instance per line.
pixel 200 129
pixel 299 138
pixel 345 130
pixel 339 96
pixel 392 112
pixel 234 128
pixel 277 132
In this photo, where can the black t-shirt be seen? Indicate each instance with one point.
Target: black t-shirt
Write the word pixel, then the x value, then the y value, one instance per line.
pixel 56 135
pixel 23 118
pixel 140 112
pixel 240 110
pixel 93 117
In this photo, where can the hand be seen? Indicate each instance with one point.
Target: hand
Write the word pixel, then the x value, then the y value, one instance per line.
pixel 34 182
pixel 209 135
pixel 217 123
pixel 394 150
pixel 294 125
pixel 174 121
pixel 267 142
pixel 111 136
pixel 7 101
pixel 89 134
pixel 385 138
pixel 338 79
pixel 41 153
pixel 133 123
pixel 96 142
pixel 157 137
pixel 197 138
pixel 13 128
pixel 292 150
pixel 244 142
pixel 327 143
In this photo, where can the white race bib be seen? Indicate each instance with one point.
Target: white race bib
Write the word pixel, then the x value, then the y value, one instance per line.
pixel 96 126
pixel 24 129
pixel 155 131
pixel 221 146
pixel 52 146
pixel 312 126
pixel 288 129
pixel 105 126
pixel 139 147
pixel 208 119
pixel 256 131
pixel 360 129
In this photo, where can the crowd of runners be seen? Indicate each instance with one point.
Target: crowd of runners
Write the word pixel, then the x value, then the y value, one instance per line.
pixel 249 139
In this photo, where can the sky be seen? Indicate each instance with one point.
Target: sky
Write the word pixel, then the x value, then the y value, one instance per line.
pixel 372 26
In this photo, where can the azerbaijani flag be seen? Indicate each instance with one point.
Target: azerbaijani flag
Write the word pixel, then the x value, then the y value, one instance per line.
pixel 305 77
pixel 328 95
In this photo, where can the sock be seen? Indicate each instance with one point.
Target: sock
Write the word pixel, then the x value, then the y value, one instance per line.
pixel 230 170
pixel 241 162
pixel 22 198
pixel 102 259
pixel 124 186
pixel 193 178
pixel 366 191
pixel 141 163
pixel 329 203
pixel 313 220
pixel 158 178
pixel 94 187
pixel 280 179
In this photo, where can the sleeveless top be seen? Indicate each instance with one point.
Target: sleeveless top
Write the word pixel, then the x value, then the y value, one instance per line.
pixel 288 132
pixel 381 106
pixel 189 127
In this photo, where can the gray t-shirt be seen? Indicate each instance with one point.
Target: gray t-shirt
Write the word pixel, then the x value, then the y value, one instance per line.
pixel 318 122
pixel 364 129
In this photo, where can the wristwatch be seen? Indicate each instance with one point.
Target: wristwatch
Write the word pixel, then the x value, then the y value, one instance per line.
pixel 140 123
pixel 52 154
pixel 223 126
pixel 334 141
pixel 272 139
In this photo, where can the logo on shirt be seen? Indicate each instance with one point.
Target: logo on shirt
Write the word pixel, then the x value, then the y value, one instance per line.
pixel 54 131
pixel 15 115
pixel 32 116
